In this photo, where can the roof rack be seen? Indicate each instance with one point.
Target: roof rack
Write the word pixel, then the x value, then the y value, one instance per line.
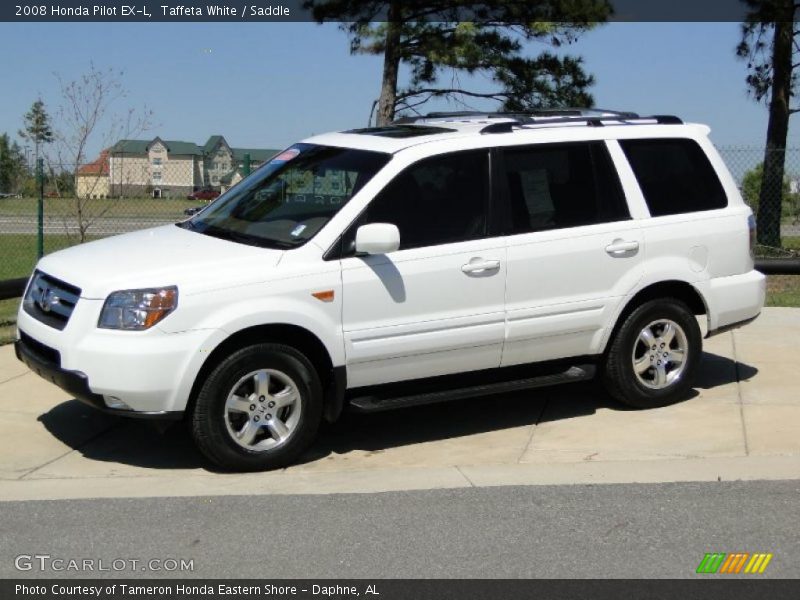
pixel 526 116
pixel 463 114
pixel 592 117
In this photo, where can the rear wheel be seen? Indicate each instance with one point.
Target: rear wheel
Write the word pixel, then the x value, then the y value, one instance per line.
pixel 260 408
pixel 654 356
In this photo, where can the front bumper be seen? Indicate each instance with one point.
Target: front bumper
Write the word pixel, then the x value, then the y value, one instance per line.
pixel 45 362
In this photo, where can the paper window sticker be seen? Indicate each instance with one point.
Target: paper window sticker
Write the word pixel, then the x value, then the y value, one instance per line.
pixel 536 191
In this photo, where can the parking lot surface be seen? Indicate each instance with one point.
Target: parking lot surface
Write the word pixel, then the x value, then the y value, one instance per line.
pixel 741 423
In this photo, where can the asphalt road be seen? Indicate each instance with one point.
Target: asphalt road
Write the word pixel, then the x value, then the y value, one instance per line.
pixel 637 531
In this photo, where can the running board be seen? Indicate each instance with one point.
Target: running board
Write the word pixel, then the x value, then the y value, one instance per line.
pixel 374 403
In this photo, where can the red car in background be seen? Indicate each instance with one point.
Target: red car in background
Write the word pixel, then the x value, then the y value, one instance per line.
pixel 203 195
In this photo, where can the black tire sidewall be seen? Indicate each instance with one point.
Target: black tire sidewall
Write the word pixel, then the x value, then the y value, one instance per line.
pixel 208 418
pixel 633 392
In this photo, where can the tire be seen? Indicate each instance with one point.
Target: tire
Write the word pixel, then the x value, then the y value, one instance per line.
pixel 259 409
pixel 648 375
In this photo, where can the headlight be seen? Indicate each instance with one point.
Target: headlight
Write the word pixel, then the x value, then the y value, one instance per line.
pixel 137 309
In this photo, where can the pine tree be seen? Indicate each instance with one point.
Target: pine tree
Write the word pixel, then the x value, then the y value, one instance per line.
pixel 770 47
pixel 432 37
pixel 37 127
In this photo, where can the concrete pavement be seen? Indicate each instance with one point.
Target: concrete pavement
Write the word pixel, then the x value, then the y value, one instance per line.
pixel 743 422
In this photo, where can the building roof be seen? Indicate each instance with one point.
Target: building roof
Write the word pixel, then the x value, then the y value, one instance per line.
pixel 212 143
pixel 98 167
pixel 256 154
pixel 190 148
pixel 142 147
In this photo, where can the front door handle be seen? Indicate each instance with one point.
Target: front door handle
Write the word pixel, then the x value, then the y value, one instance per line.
pixel 618 247
pixel 478 265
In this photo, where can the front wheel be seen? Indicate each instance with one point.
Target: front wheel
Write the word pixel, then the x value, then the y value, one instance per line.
pixel 654 357
pixel 259 409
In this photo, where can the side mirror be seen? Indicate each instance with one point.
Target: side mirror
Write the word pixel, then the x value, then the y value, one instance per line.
pixel 377 238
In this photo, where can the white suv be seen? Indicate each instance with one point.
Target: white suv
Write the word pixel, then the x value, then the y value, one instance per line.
pixel 450 256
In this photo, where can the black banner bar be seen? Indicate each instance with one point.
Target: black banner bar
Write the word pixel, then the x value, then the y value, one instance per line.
pixel 188 11
pixel 705 588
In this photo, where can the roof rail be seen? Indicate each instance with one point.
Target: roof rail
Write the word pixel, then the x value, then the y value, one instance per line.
pixel 591 117
pixel 508 126
pixel 465 114
pixel 522 116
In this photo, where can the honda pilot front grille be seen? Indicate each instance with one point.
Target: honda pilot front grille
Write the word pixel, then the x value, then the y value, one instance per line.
pixel 50 300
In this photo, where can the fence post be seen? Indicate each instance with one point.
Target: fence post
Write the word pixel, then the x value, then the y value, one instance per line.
pixel 246 165
pixel 40 210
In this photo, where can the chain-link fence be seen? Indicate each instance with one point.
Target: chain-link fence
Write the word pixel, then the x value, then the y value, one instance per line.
pixel 108 197
pixel 770 184
pixel 98 200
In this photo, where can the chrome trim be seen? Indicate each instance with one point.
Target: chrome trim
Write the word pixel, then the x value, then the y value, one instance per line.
pixel 49 300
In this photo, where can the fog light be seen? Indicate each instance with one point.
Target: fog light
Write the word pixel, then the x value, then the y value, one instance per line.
pixel 115 403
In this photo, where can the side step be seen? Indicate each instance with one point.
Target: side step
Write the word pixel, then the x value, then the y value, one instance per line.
pixel 375 403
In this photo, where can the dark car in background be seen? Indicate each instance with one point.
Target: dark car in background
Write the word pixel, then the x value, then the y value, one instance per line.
pixel 206 194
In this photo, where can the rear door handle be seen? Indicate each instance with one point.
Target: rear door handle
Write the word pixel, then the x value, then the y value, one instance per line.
pixel 618 247
pixel 478 265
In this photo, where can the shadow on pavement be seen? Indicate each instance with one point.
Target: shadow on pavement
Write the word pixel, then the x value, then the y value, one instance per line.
pixel 138 443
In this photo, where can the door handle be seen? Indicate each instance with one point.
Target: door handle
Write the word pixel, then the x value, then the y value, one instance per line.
pixel 478 265
pixel 621 247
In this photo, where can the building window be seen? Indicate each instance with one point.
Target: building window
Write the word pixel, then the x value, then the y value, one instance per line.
pixel 156 176
pixel 156 161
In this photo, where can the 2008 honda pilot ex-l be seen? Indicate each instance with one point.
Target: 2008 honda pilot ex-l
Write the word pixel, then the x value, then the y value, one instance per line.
pixel 433 259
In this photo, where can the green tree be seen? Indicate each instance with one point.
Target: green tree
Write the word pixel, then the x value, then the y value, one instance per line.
pixel 770 47
pixel 430 38
pixel 12 165
pixel 751 187
pixel 37 127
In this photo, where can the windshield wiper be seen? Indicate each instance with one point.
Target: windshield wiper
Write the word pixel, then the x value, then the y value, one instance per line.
pixel 244 238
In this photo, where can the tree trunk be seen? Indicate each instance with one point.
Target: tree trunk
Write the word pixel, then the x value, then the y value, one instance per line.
pixel 770 198
pixel 391 65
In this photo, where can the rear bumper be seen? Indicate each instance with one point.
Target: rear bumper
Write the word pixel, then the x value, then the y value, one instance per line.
pixel 731 326
pixel 76 383
pixel 734 301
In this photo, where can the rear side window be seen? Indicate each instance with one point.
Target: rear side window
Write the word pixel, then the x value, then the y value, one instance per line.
pixel 675 176
pixel 562 185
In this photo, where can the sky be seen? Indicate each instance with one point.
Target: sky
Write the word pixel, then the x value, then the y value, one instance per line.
pixel 270 84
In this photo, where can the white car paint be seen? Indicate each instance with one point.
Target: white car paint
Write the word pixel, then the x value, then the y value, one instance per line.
pixel 411 313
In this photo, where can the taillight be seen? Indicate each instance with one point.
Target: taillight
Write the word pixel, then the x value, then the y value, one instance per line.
pixel 751 225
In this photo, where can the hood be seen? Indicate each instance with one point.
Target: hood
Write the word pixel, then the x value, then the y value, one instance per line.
pixel 157 257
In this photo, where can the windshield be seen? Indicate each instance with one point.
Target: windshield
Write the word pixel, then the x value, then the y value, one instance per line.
pixel 289 199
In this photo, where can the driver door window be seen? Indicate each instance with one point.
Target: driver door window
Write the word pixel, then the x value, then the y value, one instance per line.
pixel 441 200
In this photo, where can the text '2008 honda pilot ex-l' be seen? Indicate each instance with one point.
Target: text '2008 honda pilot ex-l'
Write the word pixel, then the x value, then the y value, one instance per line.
pixel 433 259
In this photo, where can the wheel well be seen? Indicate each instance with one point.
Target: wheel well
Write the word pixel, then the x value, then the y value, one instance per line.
pixel 291 335
pixel 680 290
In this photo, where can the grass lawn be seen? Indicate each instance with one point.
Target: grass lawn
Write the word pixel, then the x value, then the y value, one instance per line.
pixel 8 317
pixel 791 243
pixel 108 207
pixel 18 252
pixel 783 290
